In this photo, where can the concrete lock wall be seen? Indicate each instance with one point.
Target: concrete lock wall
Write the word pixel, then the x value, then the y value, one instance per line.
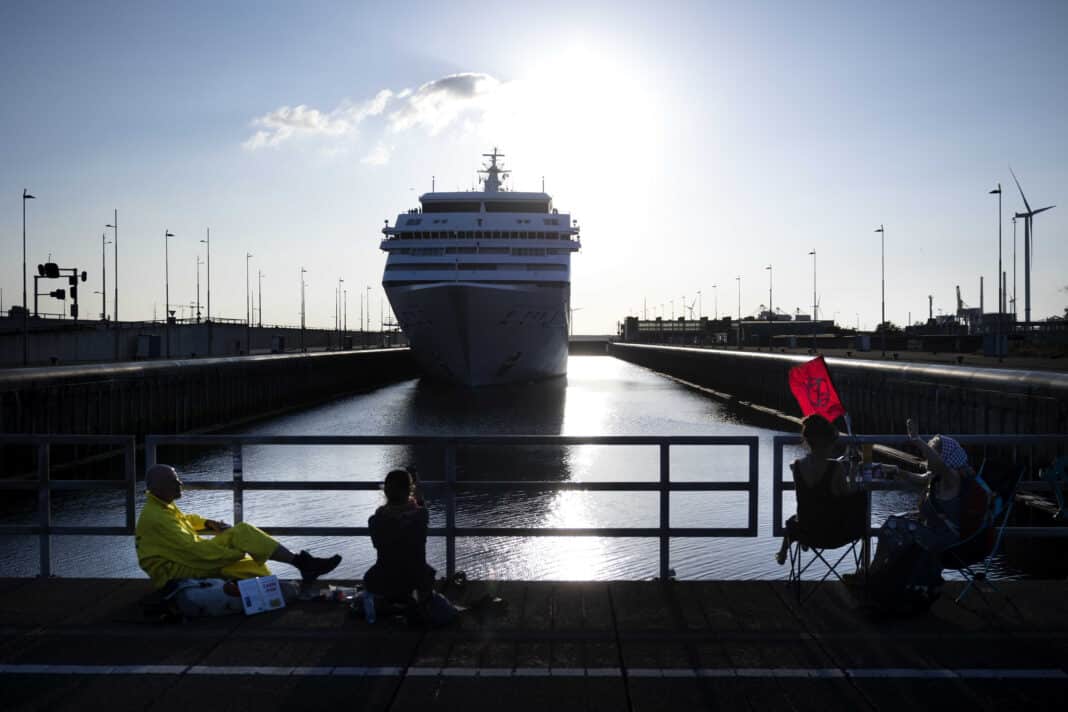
pixel 73 342
pixel 181 395
pixel 879 396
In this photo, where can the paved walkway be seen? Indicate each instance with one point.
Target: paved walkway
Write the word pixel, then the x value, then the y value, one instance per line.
pixel 82 644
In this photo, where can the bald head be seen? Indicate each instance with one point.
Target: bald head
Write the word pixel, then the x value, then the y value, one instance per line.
pixel 162 481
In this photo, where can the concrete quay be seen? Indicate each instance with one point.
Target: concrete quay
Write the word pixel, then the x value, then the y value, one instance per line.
pixel 78 644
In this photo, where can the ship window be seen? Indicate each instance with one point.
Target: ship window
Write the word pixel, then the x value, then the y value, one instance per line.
pixel 427 251
pixel 551 221
pixel 528 251
pixel 459 250
pixel 514 206
pixel 451 207
pixel 413 221
pixel 494 250
pixel 480 266
pixel 419 266
pixel 545 267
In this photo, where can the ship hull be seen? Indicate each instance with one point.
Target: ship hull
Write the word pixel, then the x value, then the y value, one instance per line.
pixel 478 334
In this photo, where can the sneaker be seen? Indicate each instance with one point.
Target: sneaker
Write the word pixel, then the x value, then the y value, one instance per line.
pixel 312 567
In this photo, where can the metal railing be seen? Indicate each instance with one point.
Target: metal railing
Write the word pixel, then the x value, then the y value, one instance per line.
pixel 1021 447
pixel 44 485
pixel 445 489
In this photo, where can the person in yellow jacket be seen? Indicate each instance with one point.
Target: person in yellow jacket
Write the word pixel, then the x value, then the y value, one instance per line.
pixel 169 545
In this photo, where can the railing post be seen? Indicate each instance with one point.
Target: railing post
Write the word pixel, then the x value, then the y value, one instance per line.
pixel 239 484
pixel 450 510
pixel 776 487
pixel 665 511
pixel 130 471
pixel 754 484
pixel 44 508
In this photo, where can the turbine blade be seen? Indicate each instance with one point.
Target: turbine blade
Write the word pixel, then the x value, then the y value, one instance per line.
pixel 1042 210
pixel 1020 189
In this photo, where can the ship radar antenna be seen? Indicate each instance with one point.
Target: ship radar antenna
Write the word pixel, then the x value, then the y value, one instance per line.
pixel 494 174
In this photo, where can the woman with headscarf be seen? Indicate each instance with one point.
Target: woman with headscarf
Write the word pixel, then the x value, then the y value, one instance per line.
pixel 906 574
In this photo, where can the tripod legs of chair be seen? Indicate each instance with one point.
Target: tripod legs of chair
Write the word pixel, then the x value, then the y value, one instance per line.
pixel 798 567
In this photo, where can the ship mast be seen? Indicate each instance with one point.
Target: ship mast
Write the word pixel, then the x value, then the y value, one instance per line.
pixel 491 183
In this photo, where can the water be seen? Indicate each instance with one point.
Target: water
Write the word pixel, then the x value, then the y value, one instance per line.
pixel 600 396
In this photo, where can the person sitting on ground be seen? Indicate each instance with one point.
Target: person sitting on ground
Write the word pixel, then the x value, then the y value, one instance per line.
pixel 398 532
pixel 830 513
pixel 169 545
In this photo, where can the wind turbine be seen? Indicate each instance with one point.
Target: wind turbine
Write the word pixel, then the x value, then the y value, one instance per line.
pixel 1027 216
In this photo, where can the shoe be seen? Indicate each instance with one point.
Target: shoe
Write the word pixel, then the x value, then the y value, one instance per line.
pixel 312 567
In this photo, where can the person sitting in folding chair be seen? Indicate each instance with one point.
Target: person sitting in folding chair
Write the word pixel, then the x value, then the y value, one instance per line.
pixel 906 574
pixel 830 512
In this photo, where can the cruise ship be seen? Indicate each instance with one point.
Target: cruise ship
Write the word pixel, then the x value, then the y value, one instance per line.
pixel 480 282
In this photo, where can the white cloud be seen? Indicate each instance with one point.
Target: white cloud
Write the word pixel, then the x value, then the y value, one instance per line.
pixel 379 156
pixel 437 104
pixel 433 106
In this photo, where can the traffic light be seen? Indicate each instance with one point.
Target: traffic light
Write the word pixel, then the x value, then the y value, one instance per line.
pixel 51 270
pixel 58 294
pixel 73 291
pixel 74 310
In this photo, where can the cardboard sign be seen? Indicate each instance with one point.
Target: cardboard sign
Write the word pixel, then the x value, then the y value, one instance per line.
pixel 261 594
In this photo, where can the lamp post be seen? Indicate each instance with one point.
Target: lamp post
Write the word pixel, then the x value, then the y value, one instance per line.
pixel 207 242
pixel 25 312
pixel 1001 281
pixel 302 284
pixel 815 304
pixel 882 253
pixel 103 277
pixel 167 235
pixel 199 262
pixel 345 312
pixel 739 280
pixel 259 289
pixel 368 311
pixel 699 305
pixel 248 308
pixel 771 310
pixel 1014 268
pixel 337 311
pixel 715 301
pixel 115 302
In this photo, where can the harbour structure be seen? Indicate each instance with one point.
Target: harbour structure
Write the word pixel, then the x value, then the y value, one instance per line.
pixel 480 282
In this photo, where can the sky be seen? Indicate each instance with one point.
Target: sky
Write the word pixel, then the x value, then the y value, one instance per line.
pixel 694 142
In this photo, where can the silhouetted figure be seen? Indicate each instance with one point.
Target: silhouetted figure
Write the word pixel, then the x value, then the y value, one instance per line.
pixel 398 532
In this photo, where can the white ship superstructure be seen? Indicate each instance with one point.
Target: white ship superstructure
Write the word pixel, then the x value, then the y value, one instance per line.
pixel 480 282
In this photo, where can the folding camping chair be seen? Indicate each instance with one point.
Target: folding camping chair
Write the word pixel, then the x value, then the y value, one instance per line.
pixel 840 522
pixel 986 506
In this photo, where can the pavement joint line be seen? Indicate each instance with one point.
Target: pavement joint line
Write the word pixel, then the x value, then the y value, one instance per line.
pixel 538 672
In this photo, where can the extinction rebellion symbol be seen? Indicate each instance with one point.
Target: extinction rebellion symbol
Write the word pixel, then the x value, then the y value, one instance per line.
pixel 819 395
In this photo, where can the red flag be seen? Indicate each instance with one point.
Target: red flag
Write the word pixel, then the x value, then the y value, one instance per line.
pixel 812 387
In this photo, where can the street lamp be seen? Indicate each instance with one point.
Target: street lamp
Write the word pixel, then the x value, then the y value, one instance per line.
pixel 25 311
pixel 739 280
pixel 699 305
pixel 167 234
pixel 815 304
pixel 115 302
pixel 715 301
pixel 882 256
pixel 248 309
pixel 302 284
pixel 259 289
pixel 208 243
pixel 771 311
pixel 199 262
pixel 1001 280
pixel 103 277
pixel 337 311
pixel 368 300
